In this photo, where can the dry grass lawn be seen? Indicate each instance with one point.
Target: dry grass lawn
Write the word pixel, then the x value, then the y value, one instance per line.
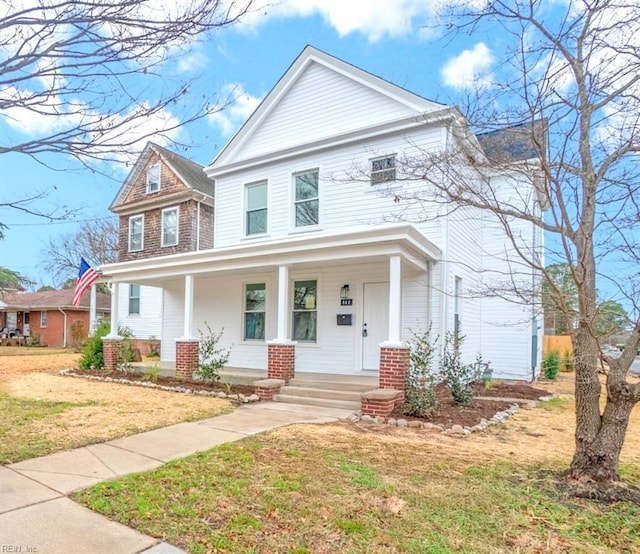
pixel 89 411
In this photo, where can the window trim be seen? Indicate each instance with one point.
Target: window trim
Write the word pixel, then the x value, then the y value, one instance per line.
pixel 245 311
pixel 131 220
pixel 130 297
pixel 166 210
pixel 384 175
pixel 296 202
pixel 246 211
pixel 151 168
pixel 312 310
pixel 43 319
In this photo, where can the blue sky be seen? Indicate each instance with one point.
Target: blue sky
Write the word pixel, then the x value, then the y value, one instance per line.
pixel 386 38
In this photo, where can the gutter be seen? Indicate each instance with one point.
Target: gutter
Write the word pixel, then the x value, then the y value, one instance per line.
pixel 64 332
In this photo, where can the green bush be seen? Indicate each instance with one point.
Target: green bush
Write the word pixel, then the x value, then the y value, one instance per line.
pixel 568 361
pixel 212 357
pixel 458 377
pixel 422 377
pixel 91 355
pixel 551 364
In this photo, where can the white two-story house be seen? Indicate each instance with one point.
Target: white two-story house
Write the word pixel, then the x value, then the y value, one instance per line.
pixel 317 261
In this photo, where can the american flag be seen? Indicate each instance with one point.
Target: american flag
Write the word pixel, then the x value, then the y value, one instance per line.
pixel 86 277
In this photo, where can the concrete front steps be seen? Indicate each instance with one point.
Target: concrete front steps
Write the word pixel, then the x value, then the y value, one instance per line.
pixel 329 392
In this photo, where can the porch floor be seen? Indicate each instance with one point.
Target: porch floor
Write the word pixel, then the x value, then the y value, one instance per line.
pixel 245 376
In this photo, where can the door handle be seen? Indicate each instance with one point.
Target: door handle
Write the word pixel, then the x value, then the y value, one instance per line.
pixel 364 330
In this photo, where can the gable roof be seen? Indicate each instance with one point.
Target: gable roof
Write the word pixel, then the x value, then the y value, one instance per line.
pixel 190 173
pixel 52 300
pixel 413 103
pixel 516 143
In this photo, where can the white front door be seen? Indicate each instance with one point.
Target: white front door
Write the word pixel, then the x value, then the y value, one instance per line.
pixel 375 323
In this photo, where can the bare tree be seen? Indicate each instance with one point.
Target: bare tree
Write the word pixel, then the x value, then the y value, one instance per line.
pixel 91 79
pixel 567 91
pixel 96 241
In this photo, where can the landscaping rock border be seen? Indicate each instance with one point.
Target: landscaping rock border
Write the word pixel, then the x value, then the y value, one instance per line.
pixel 239 398
pixel 455 430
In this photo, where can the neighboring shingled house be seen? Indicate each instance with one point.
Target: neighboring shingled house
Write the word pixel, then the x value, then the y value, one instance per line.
pixel 49 316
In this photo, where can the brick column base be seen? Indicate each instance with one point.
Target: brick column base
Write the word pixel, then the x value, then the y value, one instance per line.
pixel 266 389
pixel 379 402
pixel 111 352
pixel 187 358
pixel 394 366
pixel 281 361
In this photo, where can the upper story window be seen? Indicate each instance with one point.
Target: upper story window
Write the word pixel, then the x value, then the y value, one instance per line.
pixel 136 232
pixel 256 214
pixel 134 299
pixel 254 311
pixel 383 169
pixel 305 310
pixel 306 199
pixel 170 227
pixel 153 177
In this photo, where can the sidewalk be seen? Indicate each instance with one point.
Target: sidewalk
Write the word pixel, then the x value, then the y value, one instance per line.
pixel 37 516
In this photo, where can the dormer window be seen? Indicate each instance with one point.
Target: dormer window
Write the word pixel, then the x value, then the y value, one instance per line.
pixel 153 178
pixel 383 169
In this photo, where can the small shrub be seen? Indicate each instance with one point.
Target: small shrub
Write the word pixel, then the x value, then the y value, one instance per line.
pixel 568 361
pixel 551 364
pixel 154 347
pixel 212 357
pixel 422 377
pixel 91 356
pixel 458 377
pixel 154 372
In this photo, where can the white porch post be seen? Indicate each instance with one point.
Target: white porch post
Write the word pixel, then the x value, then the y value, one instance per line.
pixel 283 297
pixel 395 300
pixel 188 307
pixel 115 298
pixel 92 310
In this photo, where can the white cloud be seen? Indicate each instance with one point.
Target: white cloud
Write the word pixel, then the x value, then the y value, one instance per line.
pixel 241 106
pixel 471 68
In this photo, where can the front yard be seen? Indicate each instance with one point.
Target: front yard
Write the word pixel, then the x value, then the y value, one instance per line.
pixel 43 412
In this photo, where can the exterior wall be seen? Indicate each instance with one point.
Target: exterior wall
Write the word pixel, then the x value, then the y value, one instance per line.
pixel 347 198
pixel 219 303
pixel 53 334
pixel 147 324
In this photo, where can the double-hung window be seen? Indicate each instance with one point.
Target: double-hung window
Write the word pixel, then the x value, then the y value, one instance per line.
pixel 136 231
pixel 256 214
pixel 305 310
pixel 383 169
pixel 306 199
pixel 170 227
pixel 134 299
pixel 43 319
pixel 254 311
pixel 153 177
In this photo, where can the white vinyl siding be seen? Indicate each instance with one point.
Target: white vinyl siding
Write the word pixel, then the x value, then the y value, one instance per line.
pixel 136 233
pixel 170 218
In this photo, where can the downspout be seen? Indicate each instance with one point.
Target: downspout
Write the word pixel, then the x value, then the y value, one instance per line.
pixel 443 269
pixel 198 225
pixel 64 331
pixel 534 319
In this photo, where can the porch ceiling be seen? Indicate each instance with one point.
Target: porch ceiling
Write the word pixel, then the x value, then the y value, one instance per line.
pixel 360 245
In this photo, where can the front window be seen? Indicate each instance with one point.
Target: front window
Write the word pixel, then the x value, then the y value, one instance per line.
pixel 170 227
pixel 136 228
pixel 256 209
pixel 383 170
pixel 254 311
pixel 134 299
pixel 305 310
pixel 153 178
pixel 306 202
pixel 43 320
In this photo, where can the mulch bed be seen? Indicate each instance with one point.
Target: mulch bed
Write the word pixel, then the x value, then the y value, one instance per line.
pixel 448 413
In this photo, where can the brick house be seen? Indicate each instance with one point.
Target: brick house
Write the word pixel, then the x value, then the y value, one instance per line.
pixel 49 316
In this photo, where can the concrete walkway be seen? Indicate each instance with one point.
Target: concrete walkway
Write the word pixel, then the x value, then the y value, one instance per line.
pixel 37 516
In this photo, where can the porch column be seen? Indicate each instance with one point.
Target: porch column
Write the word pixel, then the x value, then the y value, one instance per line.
pixel 394 354
pixel 282 350
pixel 92 310
pixel 187 346
pixel 112 343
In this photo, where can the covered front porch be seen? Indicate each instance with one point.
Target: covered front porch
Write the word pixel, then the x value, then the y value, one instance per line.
pixel 333 304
